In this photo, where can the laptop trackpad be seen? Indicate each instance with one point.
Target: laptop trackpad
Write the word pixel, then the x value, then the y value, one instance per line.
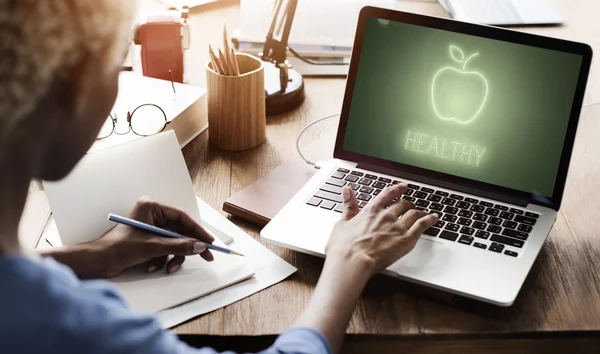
pixel 428 256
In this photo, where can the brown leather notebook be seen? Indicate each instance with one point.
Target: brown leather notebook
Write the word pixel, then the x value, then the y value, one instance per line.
pixel 259 202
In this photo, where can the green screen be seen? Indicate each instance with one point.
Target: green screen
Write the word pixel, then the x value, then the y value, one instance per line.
pixel 478 108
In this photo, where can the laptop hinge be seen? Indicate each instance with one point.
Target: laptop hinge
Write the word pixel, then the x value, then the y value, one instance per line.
pixel 501 197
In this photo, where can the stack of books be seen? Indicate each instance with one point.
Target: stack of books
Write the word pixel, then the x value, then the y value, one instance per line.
pixel 184 106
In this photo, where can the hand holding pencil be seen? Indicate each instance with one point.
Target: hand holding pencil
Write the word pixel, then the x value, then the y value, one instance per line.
pixel 226 63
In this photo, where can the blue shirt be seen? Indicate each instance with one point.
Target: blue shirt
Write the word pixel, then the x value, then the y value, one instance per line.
pixel 45 308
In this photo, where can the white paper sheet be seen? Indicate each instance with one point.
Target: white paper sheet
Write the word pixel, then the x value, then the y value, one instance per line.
pixel 269 270
pixel 159 291
pixel 113 180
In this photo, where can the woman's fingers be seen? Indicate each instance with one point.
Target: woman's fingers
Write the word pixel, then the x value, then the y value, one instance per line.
pixel 350 203
pixel 387 196
pixel 156 263
pixel 174 264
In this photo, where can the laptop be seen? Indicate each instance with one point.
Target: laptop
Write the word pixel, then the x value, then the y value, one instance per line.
pixel 479 121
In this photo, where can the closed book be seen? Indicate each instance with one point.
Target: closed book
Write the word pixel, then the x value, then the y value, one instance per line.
pixel 184 106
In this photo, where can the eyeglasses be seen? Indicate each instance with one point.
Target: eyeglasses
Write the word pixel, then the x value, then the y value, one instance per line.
pixel 147 119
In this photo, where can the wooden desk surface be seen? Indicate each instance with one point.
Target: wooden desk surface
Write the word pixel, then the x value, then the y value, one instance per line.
pixel 561 296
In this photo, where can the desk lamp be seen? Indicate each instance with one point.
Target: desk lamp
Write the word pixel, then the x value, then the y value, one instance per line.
pixel 284 87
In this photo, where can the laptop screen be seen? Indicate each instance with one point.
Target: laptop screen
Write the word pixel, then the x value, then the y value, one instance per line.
pixel 479 108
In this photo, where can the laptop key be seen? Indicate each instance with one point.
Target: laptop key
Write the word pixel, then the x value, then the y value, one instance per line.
pixel 440 223
pixel 336 182
pixel 501 207
pixel 332 189
pixel 482 234
pixel 494 229
pixel 480 217
pixel 516 234
pixel 376 192
pixel 379 185
pixel 338 175
pixel 492 212
pixel 329 196
pixel 532 215
pixel 357 173
pixel 385 180
pixel 426 190
pixel 525 220
pixel 339 208
pixel 436 207
pixel 365 181
pixel 516 211
pixel 507 241
pixel 364 197
pixel 510 224
pixel 343 170
pixel 450 210
pixel 447 235
pixel 464 222
pixel 448 201
pixel 354 186
pixel 327 205
pixel 486 204
pixel 410 199
pixel 369 176
pixel 422 203
pixel 351 178
pixel 480 245
pixel 366 189
pixel 465 240
pixel 420 195
pixel 506 215
pixel 496 247
pixel 477 208
pixel 511 253
pixel 409 192
pixel 467 230
pixel 314 201
pixel 524 228
pixel 362 204
pixel 465 213
pixel 413 186
pixel 434 198
pixel 471 200
pixel 479 225
pixel 395 182
pixel 432 231
pixel 463 205
pixel 452 227
pixel 495 221
pixel 457 197
pixel 442 193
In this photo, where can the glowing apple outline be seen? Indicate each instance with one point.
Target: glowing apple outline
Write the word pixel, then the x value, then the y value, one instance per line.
pixel 463 72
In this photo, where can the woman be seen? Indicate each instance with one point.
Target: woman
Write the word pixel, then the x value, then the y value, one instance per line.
pixel 59 66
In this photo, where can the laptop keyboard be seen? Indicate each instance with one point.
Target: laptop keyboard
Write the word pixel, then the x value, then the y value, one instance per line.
pixel 463 219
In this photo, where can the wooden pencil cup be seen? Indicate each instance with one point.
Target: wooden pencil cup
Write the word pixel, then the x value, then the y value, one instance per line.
pixel 236 105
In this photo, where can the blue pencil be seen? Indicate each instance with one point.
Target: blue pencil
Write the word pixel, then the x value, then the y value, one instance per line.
pixel 164 233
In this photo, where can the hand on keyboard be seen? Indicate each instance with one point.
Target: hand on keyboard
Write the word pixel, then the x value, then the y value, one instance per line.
pixel 382 232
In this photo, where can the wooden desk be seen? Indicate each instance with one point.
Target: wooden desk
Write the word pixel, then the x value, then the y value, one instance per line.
pixel 558 309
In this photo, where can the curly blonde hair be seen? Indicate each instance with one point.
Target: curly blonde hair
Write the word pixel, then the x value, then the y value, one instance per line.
pixel 41 40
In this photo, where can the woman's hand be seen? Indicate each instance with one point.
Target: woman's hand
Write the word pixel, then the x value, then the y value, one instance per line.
pixel 383 232
pixel 363 243
pixel 124 247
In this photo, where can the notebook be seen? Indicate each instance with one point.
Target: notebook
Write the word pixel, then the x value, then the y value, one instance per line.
pixel 112 180
pixel 504 12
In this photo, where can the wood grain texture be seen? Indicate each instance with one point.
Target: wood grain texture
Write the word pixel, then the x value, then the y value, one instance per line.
pixel 560 298
pixel 236 105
